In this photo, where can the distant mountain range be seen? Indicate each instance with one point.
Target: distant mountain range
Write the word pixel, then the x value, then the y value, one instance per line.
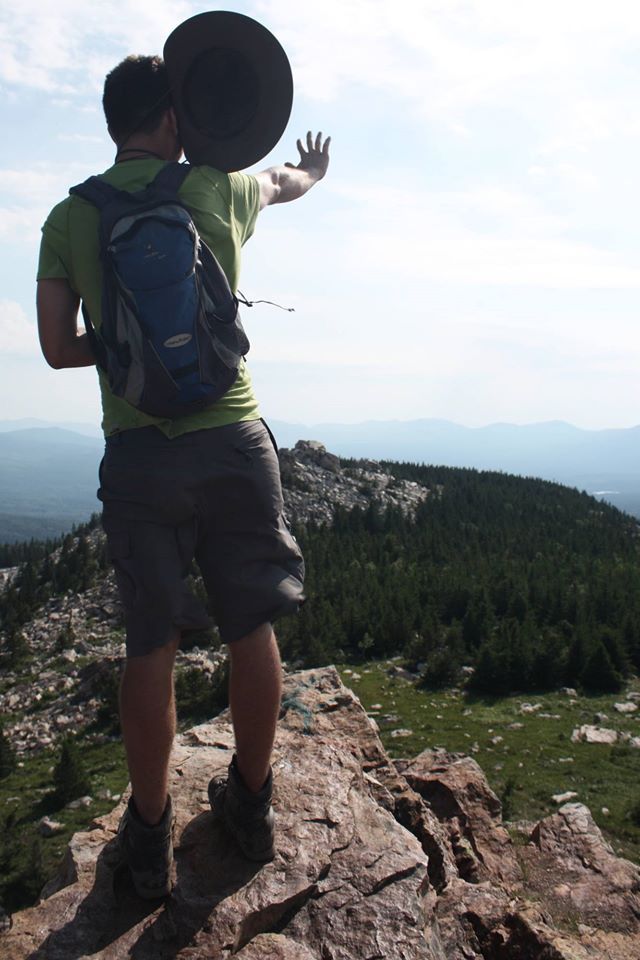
pixel 48 472
pixel 48 481
pixel 30 423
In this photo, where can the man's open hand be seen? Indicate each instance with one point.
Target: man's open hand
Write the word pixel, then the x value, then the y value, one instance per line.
pixel 315 159
pixel 281 184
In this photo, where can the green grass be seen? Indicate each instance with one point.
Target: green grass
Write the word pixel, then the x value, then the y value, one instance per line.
pixel 525 767
pixel 27 860
pixel 527 764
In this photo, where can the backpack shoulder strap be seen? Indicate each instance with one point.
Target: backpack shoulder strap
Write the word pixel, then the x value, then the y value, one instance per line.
pixel 96 191
pixel 95 342
pixel 171 177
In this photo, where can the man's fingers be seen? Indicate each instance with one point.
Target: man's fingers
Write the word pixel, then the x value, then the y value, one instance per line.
pixel 313 145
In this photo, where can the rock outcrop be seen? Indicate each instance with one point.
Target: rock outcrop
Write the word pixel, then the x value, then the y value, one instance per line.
pixel 375 861
pixel 315 484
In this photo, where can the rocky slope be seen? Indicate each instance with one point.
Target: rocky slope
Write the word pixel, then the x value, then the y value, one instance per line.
pixel 76 639
pixel 375 861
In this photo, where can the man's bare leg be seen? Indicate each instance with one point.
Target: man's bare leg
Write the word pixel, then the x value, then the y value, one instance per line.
pixel 255 691
pixel 148 721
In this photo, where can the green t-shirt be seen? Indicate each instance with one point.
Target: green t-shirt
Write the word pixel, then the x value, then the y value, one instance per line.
pixel 224 208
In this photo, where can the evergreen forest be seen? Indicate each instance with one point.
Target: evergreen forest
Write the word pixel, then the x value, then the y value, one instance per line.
pixel 532 584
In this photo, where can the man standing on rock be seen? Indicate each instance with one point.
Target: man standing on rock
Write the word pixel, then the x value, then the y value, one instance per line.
pixel 203 486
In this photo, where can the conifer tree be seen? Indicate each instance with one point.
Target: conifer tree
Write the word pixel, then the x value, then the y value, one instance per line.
pixel 631 637
pixel 7 756
pixel 548 663
pixel 17 647
pixel 70 777
pixel 492 672
pixel 578 654
pixel 599 673
pixel 615 650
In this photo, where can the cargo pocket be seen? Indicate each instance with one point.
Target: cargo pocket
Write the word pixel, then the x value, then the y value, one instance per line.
pixel 118 544
pixel 119 552
pixel 187 538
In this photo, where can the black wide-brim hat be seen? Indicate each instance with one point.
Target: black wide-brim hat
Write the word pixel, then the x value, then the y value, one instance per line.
pixel 231 87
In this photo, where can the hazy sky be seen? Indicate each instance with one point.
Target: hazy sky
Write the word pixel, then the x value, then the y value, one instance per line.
pixel 473 252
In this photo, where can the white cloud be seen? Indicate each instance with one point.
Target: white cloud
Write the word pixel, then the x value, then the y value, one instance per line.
pixel 20 226
pixel 568 174
pixel 486 236
pixel 560 75
pixel 79 138
pixel 27 196
pixel 18 335
pixel 61 49
pixel 35 183
pixel 451 53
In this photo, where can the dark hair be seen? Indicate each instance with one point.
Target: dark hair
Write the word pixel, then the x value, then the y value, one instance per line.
pixel 136 95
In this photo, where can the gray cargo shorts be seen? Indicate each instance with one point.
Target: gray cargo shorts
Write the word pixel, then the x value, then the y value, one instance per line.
pixel 214 496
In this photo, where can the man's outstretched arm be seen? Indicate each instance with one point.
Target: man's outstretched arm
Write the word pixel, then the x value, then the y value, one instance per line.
pixel 281 184
pixel 61 344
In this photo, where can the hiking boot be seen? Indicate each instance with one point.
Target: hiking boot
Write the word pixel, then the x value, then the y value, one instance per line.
pixel 248 816
pixel 147 851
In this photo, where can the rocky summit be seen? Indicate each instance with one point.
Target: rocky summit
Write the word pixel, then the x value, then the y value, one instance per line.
pixel 375 860
pixel 315 484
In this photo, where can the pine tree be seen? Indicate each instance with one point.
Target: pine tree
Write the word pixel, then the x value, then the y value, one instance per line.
pixel 631 637
pixel 492 672
pixel 518 607
pixel 475 624
pixel 70 777
pixel 442 669
pixel 599 673
pixel 7 756
pixel 616 651
pixel 579 650
pixel 17 647
pixel 64 640
pixel 548 663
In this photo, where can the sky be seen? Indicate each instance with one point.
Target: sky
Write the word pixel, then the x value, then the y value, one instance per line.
pixel 472 254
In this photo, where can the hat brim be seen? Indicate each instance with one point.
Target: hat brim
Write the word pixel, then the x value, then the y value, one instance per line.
pixel 228 61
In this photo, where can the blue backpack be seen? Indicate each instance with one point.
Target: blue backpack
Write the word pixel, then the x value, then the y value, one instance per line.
pixel 171 340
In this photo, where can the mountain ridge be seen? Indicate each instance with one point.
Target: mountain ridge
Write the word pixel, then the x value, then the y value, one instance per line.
pixel 51 472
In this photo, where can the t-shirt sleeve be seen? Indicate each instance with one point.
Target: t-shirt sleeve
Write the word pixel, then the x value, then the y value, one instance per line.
pixel 54 262
pixel 245 203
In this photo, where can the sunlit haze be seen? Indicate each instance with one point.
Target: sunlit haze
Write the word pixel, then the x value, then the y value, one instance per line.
pixel 472 254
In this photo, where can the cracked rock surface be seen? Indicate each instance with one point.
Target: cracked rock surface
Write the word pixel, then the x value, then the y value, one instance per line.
pixel 348 880
pixel 375 860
